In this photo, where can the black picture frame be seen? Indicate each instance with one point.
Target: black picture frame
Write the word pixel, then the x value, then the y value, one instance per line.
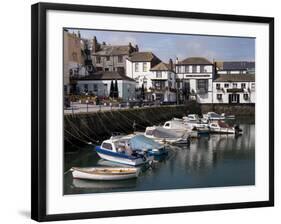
pixel 38 108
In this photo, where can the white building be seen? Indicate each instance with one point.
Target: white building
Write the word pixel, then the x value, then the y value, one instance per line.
pixel 138 68
pixel 163 80
pixel 234 89
pixel 195 77
pixel 100 82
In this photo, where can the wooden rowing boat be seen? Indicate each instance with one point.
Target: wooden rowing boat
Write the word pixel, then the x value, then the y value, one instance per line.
pixel 105 173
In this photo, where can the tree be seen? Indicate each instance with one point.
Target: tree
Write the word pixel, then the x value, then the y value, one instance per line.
pixel 116 93
pixel 111 93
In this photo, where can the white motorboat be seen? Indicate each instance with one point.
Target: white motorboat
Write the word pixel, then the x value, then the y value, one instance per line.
pixel 212 116
pixel 223 128
pixel 194 118
pixel 181 128
pixel 105 173
pixel 114 150
pixel 163 135
pixel 193 124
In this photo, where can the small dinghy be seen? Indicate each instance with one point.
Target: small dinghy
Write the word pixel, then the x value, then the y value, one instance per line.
pixel 105 173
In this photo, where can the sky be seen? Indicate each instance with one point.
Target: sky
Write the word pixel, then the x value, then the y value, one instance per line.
pixel 166 46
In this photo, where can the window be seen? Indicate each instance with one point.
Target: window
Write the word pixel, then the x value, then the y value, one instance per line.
pixel 120 59
pixel 108 58
pixel 167 125
pixel 95 87
pixel 246 96
pixel 186 69
pixel 145 67
pixel 234 85
pixel 194 69
pixel 158 74
pixel 86 87
pixel 219 96
pixel 253 86
pixel 98 60
pixel 182 69
pixel 169 76
pixel 106 69
pixel 218 86
pixel 226 85
pixel 107 146
pixel 137 67
pixel 158 84
pixel 202 85
pixel 202 70
pixel 243 85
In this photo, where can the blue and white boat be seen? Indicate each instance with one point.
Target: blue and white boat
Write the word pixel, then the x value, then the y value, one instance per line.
pixel 117 151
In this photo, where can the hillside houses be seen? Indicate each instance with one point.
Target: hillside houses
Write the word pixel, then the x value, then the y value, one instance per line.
pixel 90 66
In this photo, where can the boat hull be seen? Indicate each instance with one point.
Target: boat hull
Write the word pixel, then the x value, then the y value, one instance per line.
pixel 121 158
pixel 223 131
pixel 80 174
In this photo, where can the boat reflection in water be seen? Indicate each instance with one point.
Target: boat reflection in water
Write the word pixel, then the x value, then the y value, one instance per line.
pixel 86 186
pixel 211 161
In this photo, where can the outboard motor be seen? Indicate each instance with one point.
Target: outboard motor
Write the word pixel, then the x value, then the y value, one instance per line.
pixel 237 129
pixel 188 141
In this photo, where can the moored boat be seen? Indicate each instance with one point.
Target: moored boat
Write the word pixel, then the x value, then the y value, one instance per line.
pixel 163 135
pixel 105 173
pixel 181 128
pixel 121 153
pixel 223 128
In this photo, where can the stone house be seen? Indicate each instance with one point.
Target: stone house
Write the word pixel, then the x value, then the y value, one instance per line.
pixel 73 58
pixel 111 58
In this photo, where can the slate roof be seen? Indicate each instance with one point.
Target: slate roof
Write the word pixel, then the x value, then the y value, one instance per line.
pixel 235 78
pixel 195 61
pixel 237 65
pixel 113 50
pixel 106 75
pixel 143 57
pixel 162 67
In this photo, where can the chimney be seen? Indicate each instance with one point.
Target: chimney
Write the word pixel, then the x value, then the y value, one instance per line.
pixel 171 64
pixel 103 43
pixel 177 60
pixel 95 45
pixel 137 48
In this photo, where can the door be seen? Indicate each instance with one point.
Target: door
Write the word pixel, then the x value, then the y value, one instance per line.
pixel 233 98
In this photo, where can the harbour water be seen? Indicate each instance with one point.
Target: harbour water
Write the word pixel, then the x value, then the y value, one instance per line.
pixel 210 161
